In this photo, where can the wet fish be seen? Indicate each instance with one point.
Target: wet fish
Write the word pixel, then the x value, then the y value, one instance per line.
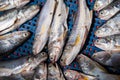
pixel 78 35
pixel 110 10
pixel 9 42
pixel 107 58
pixel 43 25
pixel 54 72
pixel 110 43
pixel 74 75
pixel 24 64
pixel 111 27
pixel 12 77
pixel 58 31
pixel 12 19
pixel 9 4
pixel 91 67
pixel 100 4
pixel 41 72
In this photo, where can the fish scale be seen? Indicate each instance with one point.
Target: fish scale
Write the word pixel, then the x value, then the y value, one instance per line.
pixel 26 48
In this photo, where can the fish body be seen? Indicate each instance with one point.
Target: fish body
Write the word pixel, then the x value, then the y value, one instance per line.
pixel 41 72
pixel 12 19
pixel 58 31
pixel 9 4
pixel 100 4
pixel 109 43
pixel 111 27
pixel 91 67
pixel 54 72
pixel 78 35
pixel 74 75
pixel 110 10
pixel 12 77
pixel 43 26
pixel 107 58
pixel 9 42
pixel 24 64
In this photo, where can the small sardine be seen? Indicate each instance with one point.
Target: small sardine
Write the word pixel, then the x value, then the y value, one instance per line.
pixel 54 72
pixel 74 75
pixel 100 4
pixel 12 77
pixel 41 72
pixel 9 4
pixel 9 42
pixel 91 67
pixel 12 19
pixel 43 25
pixel 24 64
pixel 110 10
pixel 78 35
pixel 109 43
pixel 107 58
pixel 58 31
pixel 111 27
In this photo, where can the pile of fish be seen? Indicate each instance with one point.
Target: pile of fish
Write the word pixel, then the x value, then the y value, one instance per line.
pixel 52 30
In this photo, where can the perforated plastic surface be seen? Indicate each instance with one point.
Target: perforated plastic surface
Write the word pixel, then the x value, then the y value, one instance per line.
pixel 30 25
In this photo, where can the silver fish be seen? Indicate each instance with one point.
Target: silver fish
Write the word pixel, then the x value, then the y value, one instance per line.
pixel 9 42
pixel 100 4
pixel 107 58
pixel 74 75
pixel 91 67
pixel 41 72
pixel 111 27
pixel 24 64
pixel 58 31
pixel 78 35
pixel 12 77
pixel 109 43
pixel 54 72
pixel 14 18
pixel 9 4
pixel 43 26
pixel 110 10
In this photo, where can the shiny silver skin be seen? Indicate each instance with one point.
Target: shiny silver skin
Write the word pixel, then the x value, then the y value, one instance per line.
pixel 43 26
pixel 54 72
pixel 58 31
pixel 107 58
pixel 91 67
pixel 100 4
pixel 41 72
pixel 110 10
pixel 78 35
pixel 111 27
pixel 24 64
pixel 109 43
pixel 9 4
pixel 74 75
pixel 12 19
pixel 9 42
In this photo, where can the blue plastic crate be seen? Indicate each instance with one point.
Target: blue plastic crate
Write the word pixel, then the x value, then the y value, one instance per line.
pixel 89 48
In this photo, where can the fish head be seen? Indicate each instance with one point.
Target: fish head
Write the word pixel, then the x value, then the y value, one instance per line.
pixel 99 4
pixel 86 64
pixel 29 11
pixel 104 44
pixel 102 56
pixel 67 58
pixel 103 31
pixel 53 69
pixel 104 14
pixel 54 54
pixel 20 3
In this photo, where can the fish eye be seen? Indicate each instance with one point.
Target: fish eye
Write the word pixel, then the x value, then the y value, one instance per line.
pixel 42 53
pixel 101 13
pixel 24 35
pixel 61 60
pixel 97 40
